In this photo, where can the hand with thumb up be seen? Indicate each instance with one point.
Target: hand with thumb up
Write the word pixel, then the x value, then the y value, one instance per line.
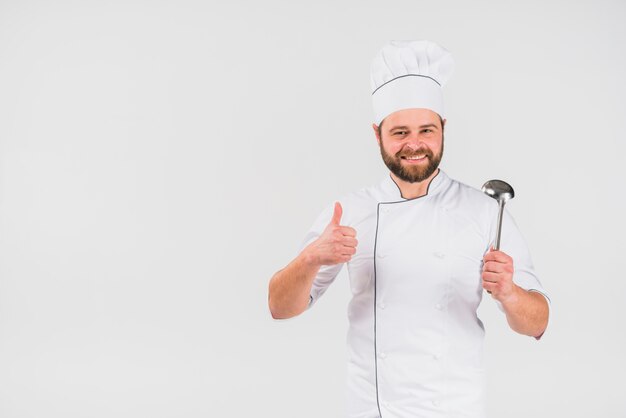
pixel 337 244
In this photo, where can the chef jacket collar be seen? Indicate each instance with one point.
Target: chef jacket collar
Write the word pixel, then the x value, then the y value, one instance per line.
pixel 391 191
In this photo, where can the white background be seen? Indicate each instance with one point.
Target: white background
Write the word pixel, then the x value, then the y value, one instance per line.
pixel 161 160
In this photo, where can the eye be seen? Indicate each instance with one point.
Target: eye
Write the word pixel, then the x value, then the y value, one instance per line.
pixel 427 130
pixel 400 133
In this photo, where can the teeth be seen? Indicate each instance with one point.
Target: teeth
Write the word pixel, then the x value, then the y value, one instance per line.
pixel 416 157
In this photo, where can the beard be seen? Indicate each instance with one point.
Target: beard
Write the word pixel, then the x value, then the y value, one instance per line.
pixel 412 173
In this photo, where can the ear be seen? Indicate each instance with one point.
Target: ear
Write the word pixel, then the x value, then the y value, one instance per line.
pixel 375 128
pixel 443 123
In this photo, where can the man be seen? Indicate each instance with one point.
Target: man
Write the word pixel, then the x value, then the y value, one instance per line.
pixel 418 251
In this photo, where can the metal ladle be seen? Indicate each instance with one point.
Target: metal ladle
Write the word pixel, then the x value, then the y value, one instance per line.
pixel 502 192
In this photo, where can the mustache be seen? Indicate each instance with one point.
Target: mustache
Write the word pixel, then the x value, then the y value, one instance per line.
pixel 420 151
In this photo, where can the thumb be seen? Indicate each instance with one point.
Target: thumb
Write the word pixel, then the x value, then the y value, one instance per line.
pixel 337 214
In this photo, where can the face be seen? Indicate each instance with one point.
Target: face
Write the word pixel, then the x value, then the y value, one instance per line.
pixel 411 143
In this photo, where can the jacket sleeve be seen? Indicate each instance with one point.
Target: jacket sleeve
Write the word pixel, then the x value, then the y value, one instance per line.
pixel 326 274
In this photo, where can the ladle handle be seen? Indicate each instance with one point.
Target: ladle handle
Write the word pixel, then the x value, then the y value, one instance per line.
pixel 499 230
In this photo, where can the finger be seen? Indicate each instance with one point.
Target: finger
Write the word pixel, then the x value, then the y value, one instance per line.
pixel 494 267
pixel 491 255
pixel 349 242
pixel 345 258
pixel 342 250
pixel 347 231
pixel 489 287
pixel 348 250
pixel 495 255
pixel 490 277
pixel 337 214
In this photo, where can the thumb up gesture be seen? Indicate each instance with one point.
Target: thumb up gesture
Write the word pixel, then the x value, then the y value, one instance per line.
pixel 336 244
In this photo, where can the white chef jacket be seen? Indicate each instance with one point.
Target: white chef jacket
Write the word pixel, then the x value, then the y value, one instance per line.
pixel 415 342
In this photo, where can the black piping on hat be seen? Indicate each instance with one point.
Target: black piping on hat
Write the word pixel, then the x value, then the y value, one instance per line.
pixel 406 75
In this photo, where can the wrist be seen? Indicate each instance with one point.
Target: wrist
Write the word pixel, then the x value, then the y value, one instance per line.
pixel 309 259
pixel 512 297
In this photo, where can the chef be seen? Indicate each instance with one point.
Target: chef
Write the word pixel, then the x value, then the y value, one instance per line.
pixel 418 249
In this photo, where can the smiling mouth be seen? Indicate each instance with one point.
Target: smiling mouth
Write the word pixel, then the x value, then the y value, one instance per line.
pixel 418 157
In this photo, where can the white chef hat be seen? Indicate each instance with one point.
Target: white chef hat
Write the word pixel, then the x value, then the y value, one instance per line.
pixel 409 74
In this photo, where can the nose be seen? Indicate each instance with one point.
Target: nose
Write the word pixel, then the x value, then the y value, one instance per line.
pixel 414 143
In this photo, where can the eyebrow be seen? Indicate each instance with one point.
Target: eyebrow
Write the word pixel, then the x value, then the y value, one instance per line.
pixel 429 125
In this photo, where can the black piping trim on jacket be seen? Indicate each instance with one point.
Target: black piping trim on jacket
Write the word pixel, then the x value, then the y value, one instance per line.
pixel 413 198
pixel 375 282
pixel 375 347
pixel 406 75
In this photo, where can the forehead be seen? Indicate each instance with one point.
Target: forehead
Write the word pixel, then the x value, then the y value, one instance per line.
pixel 412 117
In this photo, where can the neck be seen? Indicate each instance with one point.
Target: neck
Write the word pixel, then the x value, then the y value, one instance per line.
pixel 410 190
